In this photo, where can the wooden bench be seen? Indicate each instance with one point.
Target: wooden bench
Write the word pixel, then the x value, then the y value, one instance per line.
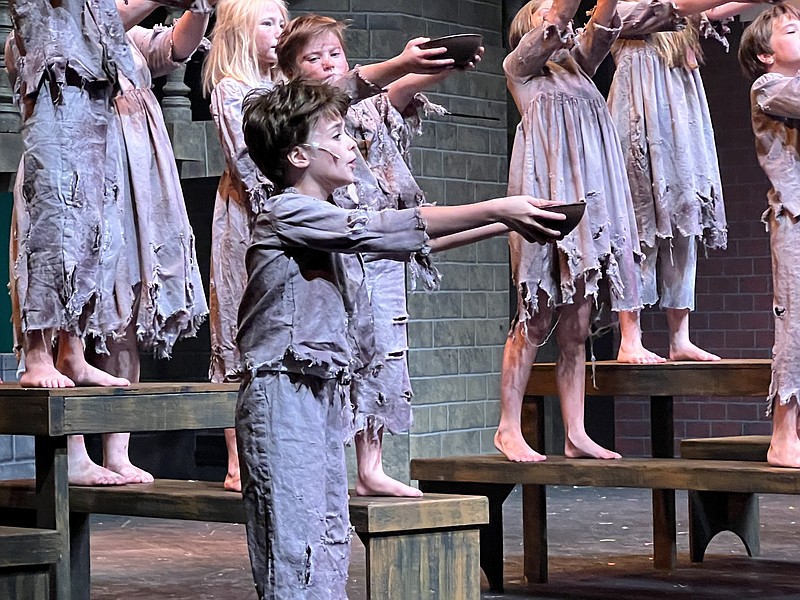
pixel 26 555
pixel 713 512
pixel 660 383
pixel 415 547
pixel 494 477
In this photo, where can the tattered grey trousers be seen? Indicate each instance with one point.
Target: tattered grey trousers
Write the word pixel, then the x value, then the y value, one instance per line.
pixel 291 433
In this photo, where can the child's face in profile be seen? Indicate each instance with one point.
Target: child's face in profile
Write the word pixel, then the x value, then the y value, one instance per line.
pixel 269 28
pixel 331 154
pixel 785 42
pixel 322 59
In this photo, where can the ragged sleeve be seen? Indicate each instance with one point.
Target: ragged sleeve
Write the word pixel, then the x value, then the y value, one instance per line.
pixel 648 16
pixel 156 46
pixel 593 43
pixel 226 110
pixel 777 95
pixel 534 50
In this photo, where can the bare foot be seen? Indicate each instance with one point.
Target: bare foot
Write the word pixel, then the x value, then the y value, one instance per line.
pixel 516 449
pixel 129 473
pixel 82 373
pixel 688 351
pixel 233 482
pixel 44 376
pixel 379 483
pixel 784 457
pixel 83 471
pixel 585 447
pixel 637 354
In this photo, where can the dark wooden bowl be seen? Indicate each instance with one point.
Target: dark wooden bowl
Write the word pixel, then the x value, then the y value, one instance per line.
pixel 574 213
pixel 461 47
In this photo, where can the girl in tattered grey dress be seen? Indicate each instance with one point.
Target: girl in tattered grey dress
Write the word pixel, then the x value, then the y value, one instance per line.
pixel 566 149
pixel 660 110
pixel 136 280
pixel 770 54
pixel 242 58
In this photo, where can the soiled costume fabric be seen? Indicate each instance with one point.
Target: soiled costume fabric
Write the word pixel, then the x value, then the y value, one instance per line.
pixel 74 54
pixel 662 117
pixel 566 149
pixel 100 227
pixel 383 180
pixel 241 194
pixel 305 332
pixel 775 101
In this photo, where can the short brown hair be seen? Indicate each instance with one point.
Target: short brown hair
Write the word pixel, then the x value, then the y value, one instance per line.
pixel 299 32
pixel 757 39
pixel 275 121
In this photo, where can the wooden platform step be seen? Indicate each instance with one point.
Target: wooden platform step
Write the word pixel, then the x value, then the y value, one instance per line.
pixel 737 447
pixel 711 513
pixel 24 546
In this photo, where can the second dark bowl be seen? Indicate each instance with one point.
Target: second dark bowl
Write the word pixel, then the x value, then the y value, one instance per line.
pixel 574 213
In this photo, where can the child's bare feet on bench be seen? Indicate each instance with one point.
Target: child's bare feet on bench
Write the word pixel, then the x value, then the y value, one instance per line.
pixel 784 446
pixel 688 351
pixel 680 347
pixel 378 483
pixel 83 471
pixel 233 481
pixel 582 446
pixel 515 448
pixel 115 451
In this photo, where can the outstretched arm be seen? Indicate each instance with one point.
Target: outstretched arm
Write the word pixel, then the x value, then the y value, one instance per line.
pixel 692 7
pixel 412 59
pixel 520 213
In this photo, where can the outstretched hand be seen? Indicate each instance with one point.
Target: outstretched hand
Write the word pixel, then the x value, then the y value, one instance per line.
pixel 473 64
pixel 525 215
pixel 423 61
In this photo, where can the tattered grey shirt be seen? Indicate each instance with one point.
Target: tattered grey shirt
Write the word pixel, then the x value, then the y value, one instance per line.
pixel 775 103
pixel 305 308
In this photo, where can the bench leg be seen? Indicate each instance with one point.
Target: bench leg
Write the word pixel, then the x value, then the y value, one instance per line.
pixel 662 437
pixel 52 490
pixel 429 564
pixel 534 533
pixel 712 512
pixel 491 534
pixel 79 535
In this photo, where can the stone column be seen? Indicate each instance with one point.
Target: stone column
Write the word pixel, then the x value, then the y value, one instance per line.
pixel 9 115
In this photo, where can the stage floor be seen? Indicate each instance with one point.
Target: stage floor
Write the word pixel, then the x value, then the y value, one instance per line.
pixel 600 544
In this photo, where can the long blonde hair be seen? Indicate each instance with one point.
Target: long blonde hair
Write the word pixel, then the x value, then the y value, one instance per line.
pixel 233 43
pixel 522 23
pixel 673 46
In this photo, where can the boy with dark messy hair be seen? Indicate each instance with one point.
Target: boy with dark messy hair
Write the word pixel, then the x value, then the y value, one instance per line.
pixel 305 329
pixel 769 53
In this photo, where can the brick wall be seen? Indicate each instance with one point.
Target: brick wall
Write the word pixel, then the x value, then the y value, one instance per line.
pixel 734 293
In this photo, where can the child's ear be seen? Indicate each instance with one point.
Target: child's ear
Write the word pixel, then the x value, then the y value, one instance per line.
pixel 767 59
pixel 298 157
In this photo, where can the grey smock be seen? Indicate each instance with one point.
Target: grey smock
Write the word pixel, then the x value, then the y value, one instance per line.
pixel 566 149
pixel 662 116
pixel 775 103
pixel 305 332
pixel 383 179
pixel 100 227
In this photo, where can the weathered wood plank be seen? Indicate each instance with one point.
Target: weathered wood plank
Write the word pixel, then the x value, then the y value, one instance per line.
pixel 143 407
pixel 649 473
pixel 384 515
pixel 738 447
pixel 727 377
pixel 25 546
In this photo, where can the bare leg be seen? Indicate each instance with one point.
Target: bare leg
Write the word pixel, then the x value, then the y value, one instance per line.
pixel 680 347
pixel 123 360
pixel 82 470
pixel 571 333
pixel 784 447
pixel 518 356
pixel 40 369
pixel 372 481
pixel 72 361
pixel 233 481
pixel 631 349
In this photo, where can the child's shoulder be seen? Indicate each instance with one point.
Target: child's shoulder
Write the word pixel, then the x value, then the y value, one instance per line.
pixel 768 79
